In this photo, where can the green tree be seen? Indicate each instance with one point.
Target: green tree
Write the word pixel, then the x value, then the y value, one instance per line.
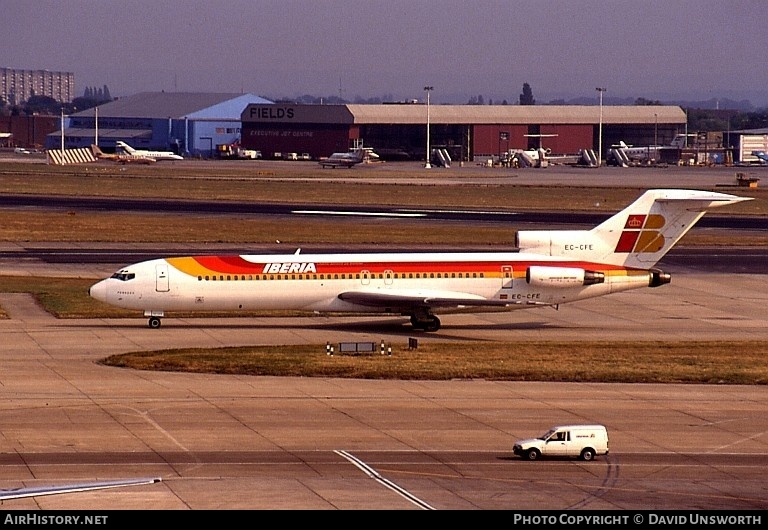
pixel 750 120
pixel 42 105
pixel 706 120
pixel 526 98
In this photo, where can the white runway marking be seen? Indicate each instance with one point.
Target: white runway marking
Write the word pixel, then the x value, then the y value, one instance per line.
pixel 372 473
pixel 361 214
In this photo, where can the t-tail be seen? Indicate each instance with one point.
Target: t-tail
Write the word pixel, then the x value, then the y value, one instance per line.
pixel 125 147
pixel 638 236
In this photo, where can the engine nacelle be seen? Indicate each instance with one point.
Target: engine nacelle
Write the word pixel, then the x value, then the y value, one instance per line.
pixel 562 276
pixel 658 277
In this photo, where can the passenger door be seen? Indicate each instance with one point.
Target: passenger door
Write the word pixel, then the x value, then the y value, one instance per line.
pixel 557 444
pixel 161 278
pixel 506 276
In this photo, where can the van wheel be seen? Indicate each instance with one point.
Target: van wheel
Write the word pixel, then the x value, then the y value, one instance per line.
pixel 533 454
pixel 588 454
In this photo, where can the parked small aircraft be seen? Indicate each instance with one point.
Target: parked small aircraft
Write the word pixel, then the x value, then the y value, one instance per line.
pixel 641 154
pixel 762 157
pixel 157 155
pixel 650 152
pixel 349 159
pixel 121 158
pixel 550 268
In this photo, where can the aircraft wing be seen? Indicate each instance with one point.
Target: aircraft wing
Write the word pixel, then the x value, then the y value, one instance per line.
pixel 22 493
pixel 407 299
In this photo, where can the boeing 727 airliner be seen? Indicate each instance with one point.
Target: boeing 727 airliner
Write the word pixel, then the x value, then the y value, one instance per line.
pixel 550 268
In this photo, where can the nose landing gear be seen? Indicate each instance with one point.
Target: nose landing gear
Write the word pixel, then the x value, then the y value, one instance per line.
pixel 154 318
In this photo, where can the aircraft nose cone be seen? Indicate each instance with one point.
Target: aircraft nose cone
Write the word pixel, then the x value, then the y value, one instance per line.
pixel 98 291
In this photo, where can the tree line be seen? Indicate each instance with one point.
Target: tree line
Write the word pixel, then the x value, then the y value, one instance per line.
pixel 46 105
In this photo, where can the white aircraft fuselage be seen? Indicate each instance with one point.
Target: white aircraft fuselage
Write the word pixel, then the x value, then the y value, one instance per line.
pixel 551 268
pixel 155 155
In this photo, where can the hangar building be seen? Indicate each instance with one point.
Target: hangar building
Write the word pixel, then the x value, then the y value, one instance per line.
pixel 748 143
pixel 398 131
pixel 187 123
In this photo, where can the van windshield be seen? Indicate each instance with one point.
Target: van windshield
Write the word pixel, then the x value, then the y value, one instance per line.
pixel 547 434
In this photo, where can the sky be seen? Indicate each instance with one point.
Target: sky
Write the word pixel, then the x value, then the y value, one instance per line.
pixel 391 49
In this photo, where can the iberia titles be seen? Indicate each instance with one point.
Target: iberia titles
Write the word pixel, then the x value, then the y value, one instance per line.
pixel 289 268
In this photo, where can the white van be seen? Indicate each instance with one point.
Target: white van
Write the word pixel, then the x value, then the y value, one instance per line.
pixel 576 441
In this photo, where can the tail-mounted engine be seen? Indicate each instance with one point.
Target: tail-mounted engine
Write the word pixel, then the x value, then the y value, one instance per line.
pixel 562 276
pixel 658 277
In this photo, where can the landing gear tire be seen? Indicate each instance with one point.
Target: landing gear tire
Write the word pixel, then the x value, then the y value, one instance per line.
pixel 427 323
pixel 154 322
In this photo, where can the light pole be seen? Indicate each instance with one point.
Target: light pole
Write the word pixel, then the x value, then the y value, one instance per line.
pixel 428 89
pixel 600 130
pixel 62 135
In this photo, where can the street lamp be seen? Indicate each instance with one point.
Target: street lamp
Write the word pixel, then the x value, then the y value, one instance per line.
pixel 62 136
pixel 600 130
pixel 428 89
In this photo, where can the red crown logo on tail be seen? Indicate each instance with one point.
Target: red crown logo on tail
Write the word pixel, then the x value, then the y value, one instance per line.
pixel 635 239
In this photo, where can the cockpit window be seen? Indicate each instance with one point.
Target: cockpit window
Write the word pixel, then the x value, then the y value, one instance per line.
pixel 123 276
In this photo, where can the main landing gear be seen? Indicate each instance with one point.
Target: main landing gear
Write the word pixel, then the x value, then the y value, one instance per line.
pixel 154 322
pixel 426 322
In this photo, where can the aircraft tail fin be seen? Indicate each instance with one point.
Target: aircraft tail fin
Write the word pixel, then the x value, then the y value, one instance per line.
pixel 638 236
pixel 358 155
pixel 125 147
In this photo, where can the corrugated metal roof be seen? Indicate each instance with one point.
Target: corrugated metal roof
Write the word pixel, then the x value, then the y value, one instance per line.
pixel 175 105
pixel 751 131
pixel 512 114
pixel 119 134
